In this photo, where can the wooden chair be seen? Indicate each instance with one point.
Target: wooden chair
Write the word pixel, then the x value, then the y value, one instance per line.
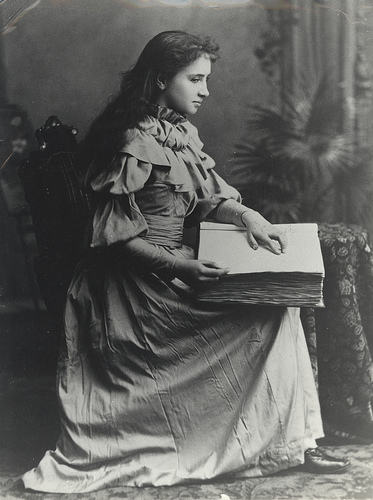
pixel 59 208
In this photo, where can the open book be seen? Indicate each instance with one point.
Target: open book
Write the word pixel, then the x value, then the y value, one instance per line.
pixel 294 278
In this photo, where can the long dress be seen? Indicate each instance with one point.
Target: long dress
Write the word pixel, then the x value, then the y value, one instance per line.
pixel 154 387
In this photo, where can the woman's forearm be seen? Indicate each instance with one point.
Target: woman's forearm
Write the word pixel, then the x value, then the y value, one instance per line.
pixel 230 212
pixel 147 257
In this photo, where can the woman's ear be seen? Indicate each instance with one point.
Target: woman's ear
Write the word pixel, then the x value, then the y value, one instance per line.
pixel 161 82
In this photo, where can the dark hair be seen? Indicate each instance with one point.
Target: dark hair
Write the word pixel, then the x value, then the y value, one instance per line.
pixel 165 54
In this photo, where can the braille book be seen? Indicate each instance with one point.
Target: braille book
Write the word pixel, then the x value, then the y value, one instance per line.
pixel 293 278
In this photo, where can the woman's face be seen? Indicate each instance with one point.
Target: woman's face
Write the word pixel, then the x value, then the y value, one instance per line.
pixel 186 91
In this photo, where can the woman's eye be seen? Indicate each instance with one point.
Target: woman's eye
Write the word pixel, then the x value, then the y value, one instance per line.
pixel 195 80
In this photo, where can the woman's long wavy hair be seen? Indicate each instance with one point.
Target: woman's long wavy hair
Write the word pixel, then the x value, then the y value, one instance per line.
pixel 165 54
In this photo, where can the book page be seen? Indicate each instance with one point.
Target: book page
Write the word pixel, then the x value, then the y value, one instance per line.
pixel 227 245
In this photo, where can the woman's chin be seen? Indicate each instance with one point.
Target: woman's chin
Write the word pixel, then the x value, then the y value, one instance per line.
pixel 192 111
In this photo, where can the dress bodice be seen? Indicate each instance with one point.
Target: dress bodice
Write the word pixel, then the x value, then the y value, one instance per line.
pixel 162 171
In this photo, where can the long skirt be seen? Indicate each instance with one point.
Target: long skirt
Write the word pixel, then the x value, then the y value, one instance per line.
pixel 158 389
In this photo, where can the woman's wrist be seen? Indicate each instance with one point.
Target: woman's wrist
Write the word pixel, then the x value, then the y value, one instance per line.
pixel 241 217
pixel 245 216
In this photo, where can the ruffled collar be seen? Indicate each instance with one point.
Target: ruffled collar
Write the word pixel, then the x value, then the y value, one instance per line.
pixel 168 128
pixel 167 114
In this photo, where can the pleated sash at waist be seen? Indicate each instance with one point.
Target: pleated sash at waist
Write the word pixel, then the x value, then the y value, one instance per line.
pixel 164 230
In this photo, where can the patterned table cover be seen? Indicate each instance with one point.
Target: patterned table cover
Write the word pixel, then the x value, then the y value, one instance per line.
pixel 340 336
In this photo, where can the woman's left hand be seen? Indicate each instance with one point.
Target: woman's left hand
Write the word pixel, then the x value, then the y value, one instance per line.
pixel 259 230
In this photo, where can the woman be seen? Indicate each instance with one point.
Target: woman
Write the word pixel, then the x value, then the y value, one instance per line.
pixel 154 387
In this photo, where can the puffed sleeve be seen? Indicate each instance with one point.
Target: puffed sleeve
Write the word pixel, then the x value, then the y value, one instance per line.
pixel 117 217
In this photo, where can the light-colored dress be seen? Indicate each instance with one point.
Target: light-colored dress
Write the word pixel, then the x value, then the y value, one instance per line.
pixel 154 387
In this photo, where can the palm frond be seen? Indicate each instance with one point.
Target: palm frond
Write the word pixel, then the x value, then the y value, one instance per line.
pixel 313 107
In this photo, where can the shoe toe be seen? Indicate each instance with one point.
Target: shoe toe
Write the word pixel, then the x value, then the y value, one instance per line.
pixel 318 462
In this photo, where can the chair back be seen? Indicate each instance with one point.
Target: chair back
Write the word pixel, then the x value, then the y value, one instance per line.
pixel 59 207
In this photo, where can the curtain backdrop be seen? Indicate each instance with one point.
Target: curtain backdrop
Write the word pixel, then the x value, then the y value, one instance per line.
pixel 308 39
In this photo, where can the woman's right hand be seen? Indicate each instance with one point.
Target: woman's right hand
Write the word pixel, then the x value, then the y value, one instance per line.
pixel 198 272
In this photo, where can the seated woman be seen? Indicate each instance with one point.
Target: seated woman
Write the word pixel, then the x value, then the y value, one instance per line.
pixel 155 388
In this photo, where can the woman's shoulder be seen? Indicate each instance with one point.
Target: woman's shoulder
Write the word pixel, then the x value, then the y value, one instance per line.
pixel 141 143
pixel 143 147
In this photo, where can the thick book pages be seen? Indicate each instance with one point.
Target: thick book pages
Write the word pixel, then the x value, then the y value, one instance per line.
pixel 294 278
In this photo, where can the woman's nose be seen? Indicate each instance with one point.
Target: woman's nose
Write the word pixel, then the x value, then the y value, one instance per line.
pixel 204 91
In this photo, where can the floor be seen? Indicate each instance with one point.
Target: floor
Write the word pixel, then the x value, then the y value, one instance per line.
pixel 29 426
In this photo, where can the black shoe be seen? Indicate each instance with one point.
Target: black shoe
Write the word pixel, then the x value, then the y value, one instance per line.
pixel 318 462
